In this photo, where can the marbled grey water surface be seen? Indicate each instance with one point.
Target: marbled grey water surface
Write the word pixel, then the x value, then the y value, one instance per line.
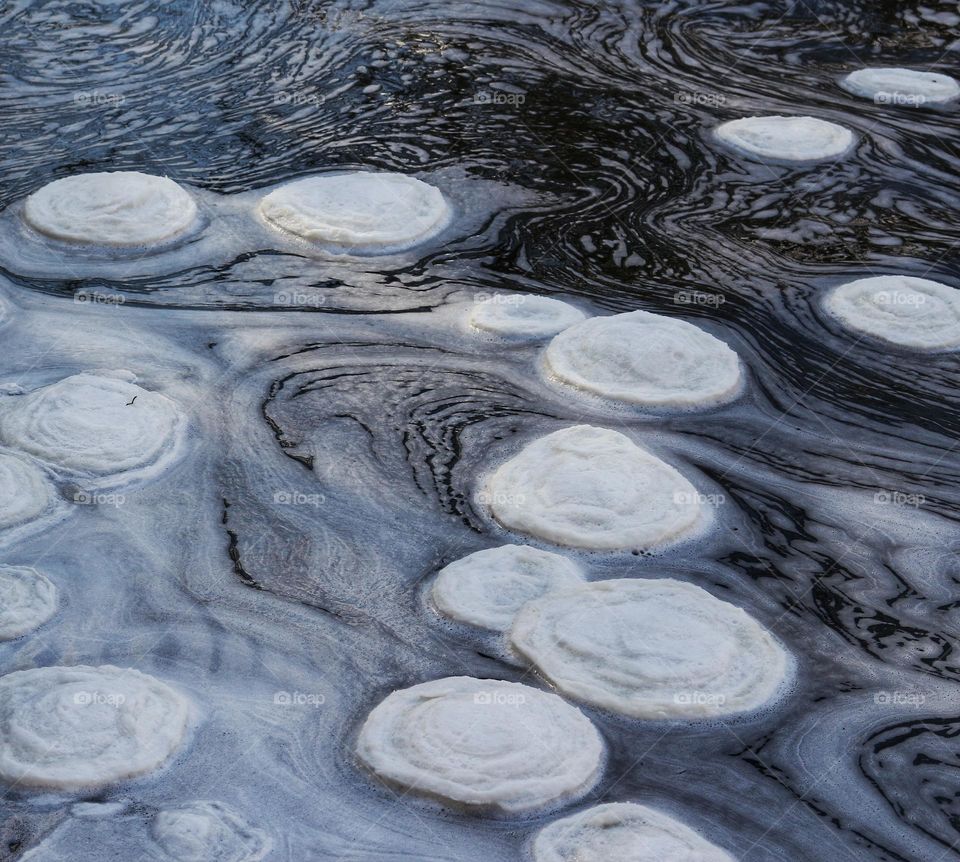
pixel 341 417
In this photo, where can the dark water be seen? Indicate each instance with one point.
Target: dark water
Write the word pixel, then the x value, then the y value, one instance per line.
pixel 573 139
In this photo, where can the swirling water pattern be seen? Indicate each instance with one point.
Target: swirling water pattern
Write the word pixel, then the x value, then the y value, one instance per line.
pixel 342 418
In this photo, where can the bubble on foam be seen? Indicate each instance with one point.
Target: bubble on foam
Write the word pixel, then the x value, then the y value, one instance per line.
pixel 910 312
pixel 792 139
pixel 645 359
pixel 25 491
pixel 482 744
pixel 592 488
pixel 623 832
pixel 487 588
pixel 84 727
pixel 523 316
pixel 94 425
pixel 118 209
pixel 360 211
pixel 28 599
pixel 651 649
pixel 898 86
pixel 206 831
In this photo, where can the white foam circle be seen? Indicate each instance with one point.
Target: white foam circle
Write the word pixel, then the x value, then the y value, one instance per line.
pixel 25 491
pixel 360 211
pixel 523 315
pixel 897 86
pixel 623 832
pixel 789 139
pixel 645 359
pixel 592 488
pixel 652 649
pixel 902 310
pixel 120 209
pixel 487 588
pixel 207 831
pixel 84 727
pixel 28 599
pixel 482 744
pixel 91 424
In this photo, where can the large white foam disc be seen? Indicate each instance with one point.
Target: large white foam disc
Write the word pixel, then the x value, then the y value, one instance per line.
pixel 25 492
pixel 623 832
pixel 87 423
pixel 523 316
pixel 28 599
pixel 482 744
pixel 83 727
pixel 910 312
pixel 360 210
pixel 791 139
pixel 645 359
pixel 122 208
pixel 208 832
pixel 587 487
pixel 902 86
pixel 650 649
pixel 487 588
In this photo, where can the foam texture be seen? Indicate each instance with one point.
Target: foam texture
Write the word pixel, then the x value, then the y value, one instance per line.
pixel 119 209
pixel 645 359
pixel 487 588
pixel 593 488
pixel 482 744
pixel 651 649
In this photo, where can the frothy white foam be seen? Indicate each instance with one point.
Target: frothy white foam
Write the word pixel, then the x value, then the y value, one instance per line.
pixel 896 86
pixel 361 211
pixel 123 208
pixel 910 312
pixel 792 139
pixel 482 744
pixel 623 832
pixel 523 316
pixel 593 488
pixel 28 599
pixel 487 588
pixel 208 832
pixel 645 359
pixel 78 727
pixel 95 425
pixel 25 492
pixel 651 649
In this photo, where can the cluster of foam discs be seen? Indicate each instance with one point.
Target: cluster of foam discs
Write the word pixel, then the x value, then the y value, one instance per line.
pixel 647 649
pixel 81 728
